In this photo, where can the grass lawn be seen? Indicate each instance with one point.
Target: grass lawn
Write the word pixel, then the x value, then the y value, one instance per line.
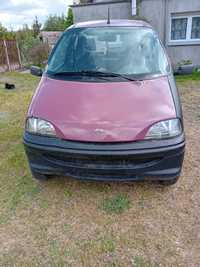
pixel 65 222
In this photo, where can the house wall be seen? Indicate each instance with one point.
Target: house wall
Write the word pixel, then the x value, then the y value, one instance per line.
pixel 158 13
pixel 118 10
pixel 50 37
pixel 154 12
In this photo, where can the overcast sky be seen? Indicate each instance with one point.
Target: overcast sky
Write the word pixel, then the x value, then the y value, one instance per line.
pixel 15 13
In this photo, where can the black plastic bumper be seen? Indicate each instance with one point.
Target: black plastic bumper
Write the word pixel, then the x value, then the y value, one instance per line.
pixel 129 161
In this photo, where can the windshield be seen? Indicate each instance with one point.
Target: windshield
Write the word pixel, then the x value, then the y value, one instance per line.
pixel 133 51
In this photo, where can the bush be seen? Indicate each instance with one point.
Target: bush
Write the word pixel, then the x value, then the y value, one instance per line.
pixel 31 48
pixel 26 41
pixel 5 34
pixel 38 54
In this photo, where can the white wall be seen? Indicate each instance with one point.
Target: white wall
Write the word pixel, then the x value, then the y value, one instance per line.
pixel 118 10
pixel 154 11
pixel 157 12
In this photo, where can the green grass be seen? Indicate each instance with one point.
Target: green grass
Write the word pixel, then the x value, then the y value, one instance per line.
pixel 139 261
pixel 68 193
pixel 15 186
pixel 116 204
pixel 65 222
pixel 194 77
pixel 101 245
pixel 56 253
pixel 107 245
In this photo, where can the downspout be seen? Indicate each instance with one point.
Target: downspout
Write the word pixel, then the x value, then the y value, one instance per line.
pixel 133 8
pixel 165 22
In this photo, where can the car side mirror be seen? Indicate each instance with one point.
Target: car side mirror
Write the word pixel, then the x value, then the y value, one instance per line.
pixel 36 71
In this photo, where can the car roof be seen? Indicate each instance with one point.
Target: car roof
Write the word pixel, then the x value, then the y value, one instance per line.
pixel 116 23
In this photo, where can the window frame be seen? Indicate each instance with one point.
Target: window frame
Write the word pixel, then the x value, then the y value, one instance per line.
pixel 189 38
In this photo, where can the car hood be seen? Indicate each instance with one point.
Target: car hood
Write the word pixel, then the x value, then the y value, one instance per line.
pixel 103 112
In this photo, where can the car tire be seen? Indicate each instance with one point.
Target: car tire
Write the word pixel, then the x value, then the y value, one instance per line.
pixel 40 177
pixel 169 182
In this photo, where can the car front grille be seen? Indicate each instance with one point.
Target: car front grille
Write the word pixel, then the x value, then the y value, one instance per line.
pixel 106 162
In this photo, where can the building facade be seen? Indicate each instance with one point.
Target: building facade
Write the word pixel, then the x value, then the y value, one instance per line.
pixel 176 21
pixel 50 37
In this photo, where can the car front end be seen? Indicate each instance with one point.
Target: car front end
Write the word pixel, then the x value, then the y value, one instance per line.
pixel 107 120
pixel 131 161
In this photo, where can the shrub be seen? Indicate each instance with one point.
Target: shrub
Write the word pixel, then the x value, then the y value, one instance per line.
pixel 26 41
pixel 38 54
pixel 5 34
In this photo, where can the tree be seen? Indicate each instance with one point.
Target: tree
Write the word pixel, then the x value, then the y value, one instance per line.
pixel 36 27
pixel 58 23
pixel 3 31
pixel 2 28
pixel 5 34
pixel 55 23
pixel 26 41
pixel 70 18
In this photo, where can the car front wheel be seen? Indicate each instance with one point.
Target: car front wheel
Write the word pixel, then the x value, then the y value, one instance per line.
pixel 169 182
pixel 40 177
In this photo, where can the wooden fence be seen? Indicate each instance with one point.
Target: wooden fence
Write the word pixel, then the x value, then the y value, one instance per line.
pixel 9 56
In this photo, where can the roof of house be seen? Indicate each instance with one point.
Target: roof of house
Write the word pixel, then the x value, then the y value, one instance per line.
pixel 117 23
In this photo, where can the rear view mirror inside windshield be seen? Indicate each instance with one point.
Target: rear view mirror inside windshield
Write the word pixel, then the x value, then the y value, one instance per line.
pixel 107 37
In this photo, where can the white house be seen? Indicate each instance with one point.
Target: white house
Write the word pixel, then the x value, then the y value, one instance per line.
pixel 176 21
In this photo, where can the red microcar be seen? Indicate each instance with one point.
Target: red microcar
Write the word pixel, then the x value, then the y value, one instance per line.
pixel 107 107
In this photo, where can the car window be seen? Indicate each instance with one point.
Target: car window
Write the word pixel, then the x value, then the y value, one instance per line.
pixel 122 50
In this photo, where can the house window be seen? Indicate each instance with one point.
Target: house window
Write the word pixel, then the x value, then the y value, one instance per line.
pixel 179 29
pixel 195 28
pixel 185 28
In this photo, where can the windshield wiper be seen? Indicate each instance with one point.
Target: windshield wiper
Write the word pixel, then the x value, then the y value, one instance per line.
pixel 108 74
pixel 66 73
pixel 93 73
pixel 77 73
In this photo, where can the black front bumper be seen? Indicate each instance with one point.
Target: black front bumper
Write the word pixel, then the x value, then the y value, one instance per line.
pixel 152 160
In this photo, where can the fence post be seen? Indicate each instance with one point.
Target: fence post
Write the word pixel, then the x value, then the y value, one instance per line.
pixel 7 57
pixel 19 55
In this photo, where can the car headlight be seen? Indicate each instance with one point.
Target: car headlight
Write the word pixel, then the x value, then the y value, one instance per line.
pixel 39 126
pixel 164 129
